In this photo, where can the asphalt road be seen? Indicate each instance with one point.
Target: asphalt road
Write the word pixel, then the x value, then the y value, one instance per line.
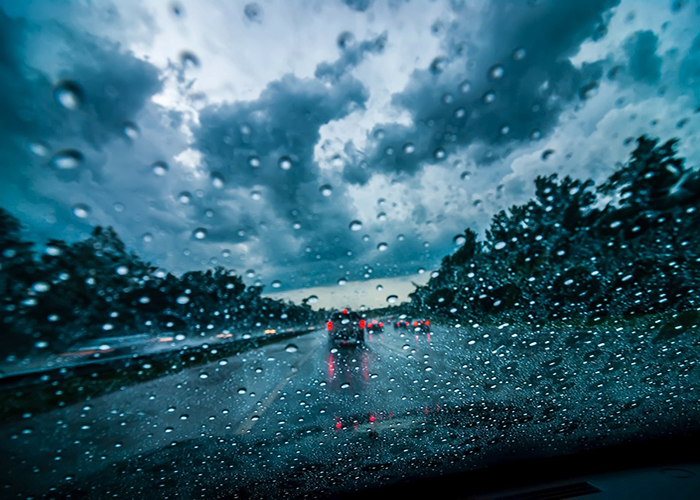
pixel 270 392
pixel 305 416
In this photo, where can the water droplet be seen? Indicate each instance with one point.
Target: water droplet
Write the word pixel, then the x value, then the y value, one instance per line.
pixel 285 163
pixel 500 245
pixel 203 375
pixel 147 237
pixel 439 154
pixel 217 180
pixel 355 225
pixel 342 281
pixel 160 168
pixel 380 288
pixel 345 386
pixel 52 250
pixel 291 348
pixel 276 284
pixel 256 195
pixel 505 130
pixel 400 237
pixel 345 40
pixel 81 211
pixel 200 233
pixel 326 190
pixel 519 54
pixel 296 225
pixel 382 247
pixel 438 65
pixel 253 12
pixel 38 148
pixel 392 299
pixel 184 197
pixel 68 94
pixel 409 148
pixel 189 59
pixel 67 159
pixel 460 239
pixel 496 72
pixel 42 344
pixel 250 273
pixel 465 175
pixel 242 390
pixel 254 161
pixel 421 270
pixel 122 270
pixel 489 97
pixel 182 299
pixel 131 130
pixel 465 86
pixel 535 134
pixel 40 286
pixel 312 299
pixel 381 216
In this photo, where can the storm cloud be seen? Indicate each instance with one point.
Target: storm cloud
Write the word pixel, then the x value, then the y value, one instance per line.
pixel 505 82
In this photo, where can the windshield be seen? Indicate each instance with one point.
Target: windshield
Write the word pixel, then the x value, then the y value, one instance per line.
pixel 297 249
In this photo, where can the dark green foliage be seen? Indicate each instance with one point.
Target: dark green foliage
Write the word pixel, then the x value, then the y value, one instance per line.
pixel 564 255
pixel 97 288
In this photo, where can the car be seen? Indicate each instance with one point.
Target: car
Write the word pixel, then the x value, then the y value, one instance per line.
pixel 346 327
pixel 421 325
pixel 375 326
pixel 401 323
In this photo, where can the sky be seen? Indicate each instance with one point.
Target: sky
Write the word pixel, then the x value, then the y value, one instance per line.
pixel 329 148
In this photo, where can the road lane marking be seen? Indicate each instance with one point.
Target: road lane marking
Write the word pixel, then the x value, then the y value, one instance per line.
pixel 272 396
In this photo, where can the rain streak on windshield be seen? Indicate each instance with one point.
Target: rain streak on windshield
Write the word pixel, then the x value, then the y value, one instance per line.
pixel 295 249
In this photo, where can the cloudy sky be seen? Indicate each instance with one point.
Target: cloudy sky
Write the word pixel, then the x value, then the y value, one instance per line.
pixel 319 142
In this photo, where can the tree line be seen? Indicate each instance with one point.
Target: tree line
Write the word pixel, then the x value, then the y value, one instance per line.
pixel 627 247
pixel 71 292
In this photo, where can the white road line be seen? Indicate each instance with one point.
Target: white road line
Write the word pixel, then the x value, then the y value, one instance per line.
pixel 272 396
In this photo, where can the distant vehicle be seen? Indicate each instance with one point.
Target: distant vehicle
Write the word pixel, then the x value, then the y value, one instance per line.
pixel 421 325
pixel 346 326
pixel 375 326
pixel 402 323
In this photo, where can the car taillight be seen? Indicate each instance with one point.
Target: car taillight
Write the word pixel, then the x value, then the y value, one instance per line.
pixel 415 323
pixel 381 324
pixel 330 326
pixel 362 323
pixel 427 323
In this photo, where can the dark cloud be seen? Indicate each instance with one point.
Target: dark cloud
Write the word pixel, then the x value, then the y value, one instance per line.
pixel 508 82
pixel 358 5
pixel 644 62
pixel 689 74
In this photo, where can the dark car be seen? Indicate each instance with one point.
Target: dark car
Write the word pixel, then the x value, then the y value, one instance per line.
pixel 421 325
pixel 346 326
pixel 401 323
pixel 375 326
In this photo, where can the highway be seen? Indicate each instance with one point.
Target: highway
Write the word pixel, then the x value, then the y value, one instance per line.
pixel 308 416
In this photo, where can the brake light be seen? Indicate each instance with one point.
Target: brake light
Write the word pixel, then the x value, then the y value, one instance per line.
pixel 330 326
pixel 371 418
pixel 415 323
pixel 362 323
pixel 345 311
pixel 427 323
pixel 381 324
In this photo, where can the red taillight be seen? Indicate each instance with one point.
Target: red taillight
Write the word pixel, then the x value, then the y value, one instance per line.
pixel 427 323
pixel 345 311
pixel 371 418
pixel 362 323
pixel 338 425
pixel 381 324
pixel 415 323
pixel 329 325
